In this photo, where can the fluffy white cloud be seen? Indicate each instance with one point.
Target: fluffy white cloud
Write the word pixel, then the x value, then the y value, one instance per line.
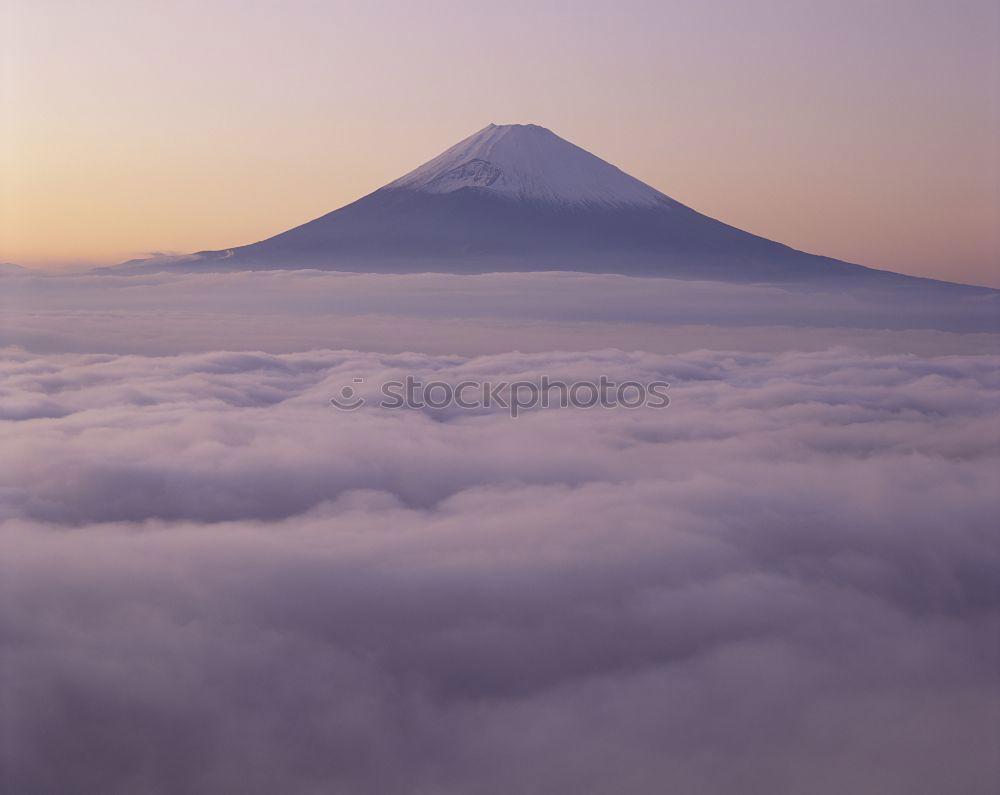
pixel 214 582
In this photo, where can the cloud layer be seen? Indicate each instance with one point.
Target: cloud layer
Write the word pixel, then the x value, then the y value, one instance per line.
pixel 215 582
pixel 288 311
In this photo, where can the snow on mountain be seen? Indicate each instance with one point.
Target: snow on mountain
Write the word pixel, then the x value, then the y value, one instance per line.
pixel 525 161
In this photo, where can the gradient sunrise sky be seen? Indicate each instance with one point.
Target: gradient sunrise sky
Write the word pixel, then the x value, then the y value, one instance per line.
pixel 860 129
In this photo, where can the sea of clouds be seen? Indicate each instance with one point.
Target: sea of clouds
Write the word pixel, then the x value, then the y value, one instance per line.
pixel 213 581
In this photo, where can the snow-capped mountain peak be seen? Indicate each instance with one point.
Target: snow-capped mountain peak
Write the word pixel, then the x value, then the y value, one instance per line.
pixel 525 161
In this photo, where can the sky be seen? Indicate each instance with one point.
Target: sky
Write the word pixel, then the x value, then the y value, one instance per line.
pixel 861 130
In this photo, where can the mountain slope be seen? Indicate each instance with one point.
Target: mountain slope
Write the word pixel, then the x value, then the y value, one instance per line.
pixel 520 198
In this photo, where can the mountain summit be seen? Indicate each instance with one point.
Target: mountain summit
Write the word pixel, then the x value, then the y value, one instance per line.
pixel 517 197
pixel 528 162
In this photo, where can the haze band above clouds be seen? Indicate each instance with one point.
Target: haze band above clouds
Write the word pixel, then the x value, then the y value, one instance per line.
pixel 286 311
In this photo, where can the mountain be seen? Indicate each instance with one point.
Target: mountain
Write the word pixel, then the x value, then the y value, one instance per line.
pixel 518 197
